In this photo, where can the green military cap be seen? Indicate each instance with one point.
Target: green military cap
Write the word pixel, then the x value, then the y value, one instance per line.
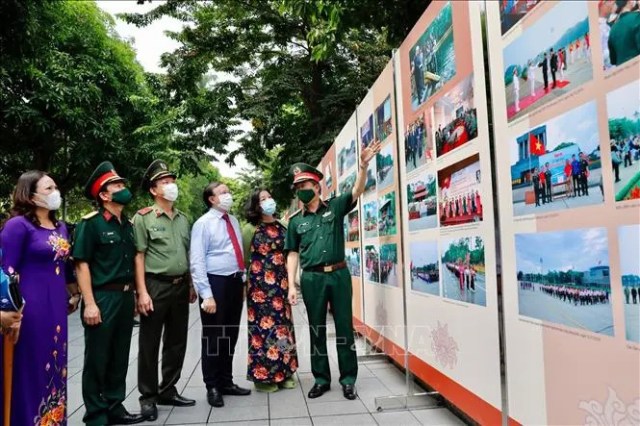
pixel 101 176
pixel 156 170
pixel 302 172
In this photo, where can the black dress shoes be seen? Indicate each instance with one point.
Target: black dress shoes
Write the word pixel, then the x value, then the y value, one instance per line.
pixel 234 389
pixel 126 418
pixel 318 390
pixel 349 391
pixel 149 411
pixel 214 398
pixel 177 401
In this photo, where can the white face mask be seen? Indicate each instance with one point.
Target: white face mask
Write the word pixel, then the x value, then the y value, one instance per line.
pixel 268 206
pixel 226 201
pixel 51 201
pixel 170 192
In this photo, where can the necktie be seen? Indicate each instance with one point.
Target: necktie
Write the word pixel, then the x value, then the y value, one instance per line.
pixel 234 241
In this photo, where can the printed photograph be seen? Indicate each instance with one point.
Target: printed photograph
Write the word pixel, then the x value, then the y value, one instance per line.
pixel 422 202
pixel 347 157
pixel 347 184
pixel 352 256
pixel 623 109
pixel 372 263
pixel 352 226
pixel 545 62
pixel 563 278
pixel 629 240
pixel 328 177
pixel 384 127
pixel 389 264
pixel 418 143
pixel 512 11
pixel 370 185
pixel 384 166
pixel 387 214
pixel 366 132
pixel 370 211
pixel 463 273
pixel 432 59
pixel 618 24
pixel 455 118
pixel 425 267
pixel 556 165
pixel 460 200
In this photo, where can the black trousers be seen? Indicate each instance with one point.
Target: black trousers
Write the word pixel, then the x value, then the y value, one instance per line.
pixel 168 322
pixel 220 330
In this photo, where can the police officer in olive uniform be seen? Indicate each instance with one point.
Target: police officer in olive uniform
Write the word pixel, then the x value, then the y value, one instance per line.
pixel 315 238
pixel 104 252
pixel 163 283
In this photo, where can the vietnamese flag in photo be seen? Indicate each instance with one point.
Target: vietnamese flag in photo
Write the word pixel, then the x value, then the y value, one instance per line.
pixel 536 147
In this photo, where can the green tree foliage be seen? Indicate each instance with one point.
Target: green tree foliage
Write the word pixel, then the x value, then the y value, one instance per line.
pixel 623 128
pixel 458 251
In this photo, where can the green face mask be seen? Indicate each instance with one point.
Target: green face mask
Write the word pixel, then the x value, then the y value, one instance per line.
pixel 123 196
pixel 306 195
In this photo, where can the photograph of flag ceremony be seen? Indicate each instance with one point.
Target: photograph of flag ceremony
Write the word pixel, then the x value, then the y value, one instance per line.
pixel 422 203
pixel 463 276
pixel 460 200
pixel 425 267
pixel 629 243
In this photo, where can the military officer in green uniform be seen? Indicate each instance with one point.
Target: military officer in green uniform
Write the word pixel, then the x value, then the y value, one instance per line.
pixel 162 237
pixel 104 253
pixel 315 239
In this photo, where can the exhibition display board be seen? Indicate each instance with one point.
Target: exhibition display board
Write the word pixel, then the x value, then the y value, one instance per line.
pixel 566 109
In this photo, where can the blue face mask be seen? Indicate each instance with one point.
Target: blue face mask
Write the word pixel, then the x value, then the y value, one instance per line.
pixel 268 206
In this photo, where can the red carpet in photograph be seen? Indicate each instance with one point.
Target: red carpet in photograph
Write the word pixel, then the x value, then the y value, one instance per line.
pixel 527 101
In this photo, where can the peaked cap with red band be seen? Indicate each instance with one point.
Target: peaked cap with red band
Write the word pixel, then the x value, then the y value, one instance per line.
pixel 101 176
pixel 302 172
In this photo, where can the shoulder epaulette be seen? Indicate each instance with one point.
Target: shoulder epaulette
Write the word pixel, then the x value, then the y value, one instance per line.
pixel 295 213
pixel 90 215
pixel 145 210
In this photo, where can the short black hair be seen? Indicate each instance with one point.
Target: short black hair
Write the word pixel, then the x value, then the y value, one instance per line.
pixel 208 192
pixel 252 209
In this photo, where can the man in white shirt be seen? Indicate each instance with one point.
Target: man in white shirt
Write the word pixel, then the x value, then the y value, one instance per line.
pixel 217 270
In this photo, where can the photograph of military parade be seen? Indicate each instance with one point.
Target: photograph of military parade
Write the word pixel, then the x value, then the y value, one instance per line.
pixel 556 165
pixel 422 202
pixel 455 118
pixel 623 110
pixel 432 58
pixel 563 278
pixel 460 200
pixel 463 273
pixel 549 59
pixel 389 265
pixel 387 215
pixel 418 144
pixel 425 267
pixel 629 243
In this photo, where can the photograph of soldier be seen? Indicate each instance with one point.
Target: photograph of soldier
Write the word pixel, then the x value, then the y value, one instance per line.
pixel 629 249
pixel 623 109
pixel 383 124
pixel 619 23
pixel 347 158
pixel 353 226
pixel 422 202
pixel 384 166
pixel 556 165
pixel 512 11
pixel 460 201
pixel 352 256
pixel 558 30
pixel 387 214
pixel 432 58
pixel 463 276
pixel 370 212
pixel 455 119
pixel 372 263
pixel 563 277
pixel 418 143
pixel 389 264
pixel 104 252
pixel 425 267
pixel 347 184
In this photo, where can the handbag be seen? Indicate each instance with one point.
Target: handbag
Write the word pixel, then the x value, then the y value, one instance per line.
pixel 615 157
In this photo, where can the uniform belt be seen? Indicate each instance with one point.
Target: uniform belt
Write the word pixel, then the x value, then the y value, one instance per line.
pixel 115 287
pixel 176 279
pixel 327 268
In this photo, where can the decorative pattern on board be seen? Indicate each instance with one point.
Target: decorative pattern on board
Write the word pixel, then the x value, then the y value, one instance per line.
pixel 613 412
pixel 444 346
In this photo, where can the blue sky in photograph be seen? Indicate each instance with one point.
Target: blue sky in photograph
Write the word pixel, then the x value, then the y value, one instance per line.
pixel 578 249
pixel 545 32
pixel 623 102
pixel 424 253
pixel 629 238
pixel 579 125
